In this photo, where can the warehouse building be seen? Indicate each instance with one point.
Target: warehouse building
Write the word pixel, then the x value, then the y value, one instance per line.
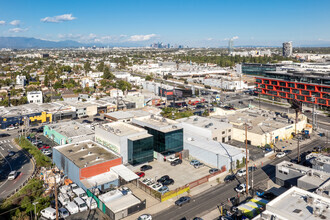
pixel 91 165
pixel 68 132
pixel 134 144
pixel 264 127
pixel 214 153
pixel 319 161
pixel 167 135
pixel 211 128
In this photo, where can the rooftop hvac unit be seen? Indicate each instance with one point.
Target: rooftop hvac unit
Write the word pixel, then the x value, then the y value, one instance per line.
pixel 97 158
pixel 117 131
pixel 196 119
pixel 174 126
pixel 82 148
pixel 152 116
pixel 163 120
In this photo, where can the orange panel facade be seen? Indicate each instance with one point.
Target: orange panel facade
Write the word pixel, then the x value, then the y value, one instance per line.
pixel 87 172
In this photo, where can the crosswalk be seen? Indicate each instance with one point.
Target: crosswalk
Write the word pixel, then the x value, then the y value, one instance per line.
pixel 4 141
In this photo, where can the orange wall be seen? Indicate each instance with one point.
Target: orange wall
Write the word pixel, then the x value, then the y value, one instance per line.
pixel 87 172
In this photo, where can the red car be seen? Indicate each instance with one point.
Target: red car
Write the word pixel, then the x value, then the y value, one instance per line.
pixel 44 147
pixel 140 174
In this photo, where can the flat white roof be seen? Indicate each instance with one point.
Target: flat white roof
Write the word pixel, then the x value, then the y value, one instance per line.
pixel 124 172
pixel 122 203
pixel 99 179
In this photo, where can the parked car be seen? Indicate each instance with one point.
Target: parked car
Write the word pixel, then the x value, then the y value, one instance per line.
pixel 46 152
pixel 171 159
pixel 157 186
pixel 287 151
pixel 145 168
pixel 11 153
pixel 140 174
pixel 44 147
pixel 280 154
pixel 48 213
pixel 91 203
pixel 163 178
pixel 242 187
pixel 229 178
pixel 81 204
pixel 163 190
pixel 66 190
pixel 176 162
pixel 72 208
pixel 63 198
pixel 198 165
pixel 145 217
pixel 86 122
pixel 12 175
pixel 80 193
pixel 241 172
pixel 11 128
pixel 74 186
pixel 63 212
pixel 268 149
pixel 213 170
pixel 193 162
pixel 168 182
pixel 146 180
pixel 183 200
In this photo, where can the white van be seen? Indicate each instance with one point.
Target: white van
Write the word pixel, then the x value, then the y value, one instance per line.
pixel 74 186
pixel 48 213
pixel 91 203
pixel 63 198
pixel 81 204
pixel 67 190
pixel 72 208
pixel 80 193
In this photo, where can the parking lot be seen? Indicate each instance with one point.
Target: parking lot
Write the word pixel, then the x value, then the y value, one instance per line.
pixel 182 174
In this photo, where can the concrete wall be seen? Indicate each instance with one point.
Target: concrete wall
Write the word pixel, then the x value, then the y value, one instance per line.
pixel 91 110
pixel 55 136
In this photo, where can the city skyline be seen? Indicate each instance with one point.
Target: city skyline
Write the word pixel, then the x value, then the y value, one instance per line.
pixel 192 23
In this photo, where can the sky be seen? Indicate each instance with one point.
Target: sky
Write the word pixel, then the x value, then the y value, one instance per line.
pixel 194 23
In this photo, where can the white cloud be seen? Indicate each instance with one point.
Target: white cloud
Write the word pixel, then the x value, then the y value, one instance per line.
pixel 18 30
pixel 2 22
pixel 136 38
pixel 234 38
pixel 58 19
pixel 209 39
pixel 15 22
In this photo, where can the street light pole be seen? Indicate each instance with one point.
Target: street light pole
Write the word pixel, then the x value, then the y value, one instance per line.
pixel 35 210
pixel 246 162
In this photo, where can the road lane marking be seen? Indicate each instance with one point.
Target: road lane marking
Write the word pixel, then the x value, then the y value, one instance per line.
pixel 17 178
pixel 1 142
pixel 9 167
pixel 2 148
pixel 10 146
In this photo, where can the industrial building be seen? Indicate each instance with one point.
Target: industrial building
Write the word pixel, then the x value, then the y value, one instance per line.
pixel 134 144
pixel 319 161
pixel 125 116
pixel 263 127
pixel 310 88
pixel 68 132
pixel 211 128
pixel 91 165
pixel 213 153
pixel 290 174
pixel 297 204
pixel 167 135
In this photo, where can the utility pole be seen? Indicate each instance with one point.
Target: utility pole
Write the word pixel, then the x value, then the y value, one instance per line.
pixel 298 151
pixel 259 99
pixel 35 210
pixel 56 202
pixel 246 162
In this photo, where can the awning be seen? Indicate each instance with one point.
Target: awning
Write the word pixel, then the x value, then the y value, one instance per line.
pixel 124 173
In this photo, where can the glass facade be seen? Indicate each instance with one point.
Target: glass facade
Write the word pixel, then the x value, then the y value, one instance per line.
pixel 169 142
pixel 257 68
pixel 140 151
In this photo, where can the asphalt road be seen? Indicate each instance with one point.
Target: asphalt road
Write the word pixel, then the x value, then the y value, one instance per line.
pixel 19 162
pixel 208 200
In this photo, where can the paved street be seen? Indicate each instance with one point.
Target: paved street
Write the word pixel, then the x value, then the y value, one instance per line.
pixel 19 162
pixel 208 200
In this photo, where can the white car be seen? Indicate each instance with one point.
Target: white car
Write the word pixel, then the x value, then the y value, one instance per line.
pixel 48 213
pixel 146 181
pixel 145 217
pixel 91 203
pixel 11 128
pixel 280 154
pixel 171 159
pixel 157 186
pixel 12 175
pixel 242 187
pixel 63 212
pixel 241 172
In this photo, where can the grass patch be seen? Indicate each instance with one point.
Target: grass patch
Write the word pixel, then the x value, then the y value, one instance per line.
pixel 41 159
pixel 20 205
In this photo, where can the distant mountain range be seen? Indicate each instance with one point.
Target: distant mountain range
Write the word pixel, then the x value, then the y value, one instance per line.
pixel 25 42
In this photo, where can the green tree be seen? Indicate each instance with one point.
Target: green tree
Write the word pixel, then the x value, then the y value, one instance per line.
pixel 46 80
pixel 149 78
pixel 58 85
pixel 100 67
pixel 107 74
pixel 87 66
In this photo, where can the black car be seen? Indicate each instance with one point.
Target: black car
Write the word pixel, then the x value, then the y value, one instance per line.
pixel 183 200
pixel 86 121
pixel 98 119
pixel 229 178
pixel 213 170
pixel 168 182
pixel 287 151
pixel 268 196
pixel 163 178
pixel 176 162
pixel 4 135
pixel 145 167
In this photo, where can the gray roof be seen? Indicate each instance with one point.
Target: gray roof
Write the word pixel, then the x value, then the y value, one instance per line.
pixel 71 129
pixel 203 122
pixel 86 153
